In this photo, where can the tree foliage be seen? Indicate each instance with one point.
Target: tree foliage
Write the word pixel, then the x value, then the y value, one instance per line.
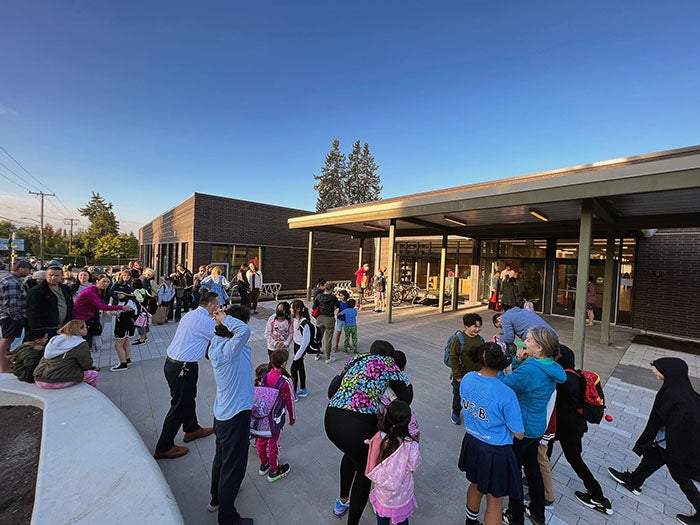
pixel 103 224
pixel 331 182
pixel 347 181
pixel 111 245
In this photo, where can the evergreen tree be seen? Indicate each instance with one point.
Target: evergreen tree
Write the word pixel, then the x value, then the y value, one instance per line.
pixel 103 223
pixel 355 180
pixel 331 182
pixel 371 183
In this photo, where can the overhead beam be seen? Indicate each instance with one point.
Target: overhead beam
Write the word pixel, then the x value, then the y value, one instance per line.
pixel 605 212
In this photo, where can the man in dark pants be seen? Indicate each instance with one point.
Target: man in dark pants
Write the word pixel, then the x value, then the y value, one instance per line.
pixel 181 370
pixel 233 372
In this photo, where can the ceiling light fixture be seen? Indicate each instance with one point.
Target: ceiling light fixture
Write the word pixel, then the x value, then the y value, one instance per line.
pixel 455 220
pixel 373 226
pixel 536 213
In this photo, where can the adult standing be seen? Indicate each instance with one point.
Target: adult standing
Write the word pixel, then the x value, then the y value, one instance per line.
pixel 82 282
pixel 255 280
pixel 591 300
pixel 13 308
pixel 328 307
pixel 233 373
pixel 379 284
pixel 508 294
pixel 89 303
pixel 242 284
pixel 181 369
pixel 216 283
pixel 182 279
pixel 495 289
pixel 351 418
pixel 50 304
pixel 197 284
pixel 670 436
pixel 362 281
pixel 534 379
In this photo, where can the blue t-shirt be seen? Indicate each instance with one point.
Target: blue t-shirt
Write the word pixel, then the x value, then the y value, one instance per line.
pixel 491 410
pixel 343 306
pixel 350 317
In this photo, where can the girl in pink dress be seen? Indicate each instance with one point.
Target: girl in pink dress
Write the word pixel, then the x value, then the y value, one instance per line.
pixel 392 459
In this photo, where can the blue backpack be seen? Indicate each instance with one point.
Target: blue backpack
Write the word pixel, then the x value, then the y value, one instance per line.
pixel 460 335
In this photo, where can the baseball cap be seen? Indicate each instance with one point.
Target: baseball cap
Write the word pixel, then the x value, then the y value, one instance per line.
pixel 23 264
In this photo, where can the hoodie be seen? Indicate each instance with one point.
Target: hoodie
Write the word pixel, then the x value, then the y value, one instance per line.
pixel 677 409
pixel 569 419
pixel 533 382
pixel 65 359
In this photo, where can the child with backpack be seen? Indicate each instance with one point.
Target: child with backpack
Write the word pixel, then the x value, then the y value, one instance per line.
pixel 571 425
pixel 124 328
pixel 392 459
pixel 279 329
pixel 273 406
pixel 343 296
pixel 457 357
pixel 304 332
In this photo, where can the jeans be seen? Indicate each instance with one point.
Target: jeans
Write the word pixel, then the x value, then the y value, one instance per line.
pixel 183 391
pixel 230 462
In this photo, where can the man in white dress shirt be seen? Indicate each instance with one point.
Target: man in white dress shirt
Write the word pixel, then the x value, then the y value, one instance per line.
pixel 181 370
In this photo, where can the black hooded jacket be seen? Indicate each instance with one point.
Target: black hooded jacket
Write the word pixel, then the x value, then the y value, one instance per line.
pixel 677 408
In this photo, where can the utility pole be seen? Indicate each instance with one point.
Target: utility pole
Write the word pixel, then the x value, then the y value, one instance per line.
pixel 41 232
pixel 70 239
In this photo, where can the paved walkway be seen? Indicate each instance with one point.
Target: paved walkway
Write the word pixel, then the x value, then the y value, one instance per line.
pixel 307 495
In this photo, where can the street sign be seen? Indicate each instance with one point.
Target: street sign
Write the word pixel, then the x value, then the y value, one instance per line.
pixel 18 245
pixel 4 244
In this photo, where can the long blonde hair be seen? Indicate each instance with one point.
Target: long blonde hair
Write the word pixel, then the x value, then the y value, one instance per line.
pixel 71 327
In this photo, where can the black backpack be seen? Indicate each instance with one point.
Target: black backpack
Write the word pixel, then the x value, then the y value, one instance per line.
pixel 315 340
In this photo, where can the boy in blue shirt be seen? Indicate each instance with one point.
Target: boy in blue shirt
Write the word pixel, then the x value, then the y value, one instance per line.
pixel 343 296
pixel 350 326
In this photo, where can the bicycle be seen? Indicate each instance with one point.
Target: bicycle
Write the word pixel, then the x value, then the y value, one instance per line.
pixel 404 292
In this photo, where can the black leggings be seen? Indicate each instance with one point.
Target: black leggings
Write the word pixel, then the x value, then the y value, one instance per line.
pixel 298 371
pixel 348 431
pixel 571 447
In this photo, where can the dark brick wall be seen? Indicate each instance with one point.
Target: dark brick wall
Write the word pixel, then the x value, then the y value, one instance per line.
pixel 204 220
pixel 666 298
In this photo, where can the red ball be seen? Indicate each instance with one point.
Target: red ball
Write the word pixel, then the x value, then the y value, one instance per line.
pixel 608 418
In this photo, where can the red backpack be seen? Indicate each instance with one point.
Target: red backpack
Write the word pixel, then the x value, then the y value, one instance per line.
pixel 591 395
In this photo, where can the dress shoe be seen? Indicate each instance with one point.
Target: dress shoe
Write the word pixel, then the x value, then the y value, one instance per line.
pixel 172 453
pixel 200 433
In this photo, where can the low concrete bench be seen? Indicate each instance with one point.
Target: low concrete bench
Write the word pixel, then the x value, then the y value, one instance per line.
pixel 93 465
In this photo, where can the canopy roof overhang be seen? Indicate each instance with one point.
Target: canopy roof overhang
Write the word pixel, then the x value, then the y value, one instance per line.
pixel 656 190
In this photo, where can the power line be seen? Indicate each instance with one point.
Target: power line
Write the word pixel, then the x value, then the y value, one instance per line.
pixel 18 176
pixel 14 182
pixel 25 169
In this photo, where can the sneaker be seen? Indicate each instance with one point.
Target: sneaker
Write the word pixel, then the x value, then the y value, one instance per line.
pixel 507 518
pixel 264 469
pixel 302 392
pixel 281 472
pixel 340 508
pixel 213 506
pixel 548 505
pixel 317 357
pixel 688 520
pixel 532 519
pixel 625 479
pixel 119 367
pixel 128 360
pixel 455 419
pixel 330 359
pixel 587 499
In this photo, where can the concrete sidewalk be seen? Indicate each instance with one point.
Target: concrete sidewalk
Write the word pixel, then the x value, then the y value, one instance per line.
pixel 307 495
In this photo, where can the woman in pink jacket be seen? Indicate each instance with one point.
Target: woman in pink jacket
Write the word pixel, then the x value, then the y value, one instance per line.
pixel 89 303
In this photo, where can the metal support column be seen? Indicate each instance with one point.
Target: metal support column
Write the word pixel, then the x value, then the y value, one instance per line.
pixel 309 265
pixel 475 274
pixel 360 253
pixel 390 268
pixel 582 272
pixel 608 290
pixel 441 284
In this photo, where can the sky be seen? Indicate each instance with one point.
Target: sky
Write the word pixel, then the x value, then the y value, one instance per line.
pixel 149 102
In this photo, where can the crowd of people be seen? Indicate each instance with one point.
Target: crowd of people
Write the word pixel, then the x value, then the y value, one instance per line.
pixel 515 395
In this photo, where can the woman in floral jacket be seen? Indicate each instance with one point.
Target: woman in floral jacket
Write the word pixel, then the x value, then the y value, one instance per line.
pixel 351 418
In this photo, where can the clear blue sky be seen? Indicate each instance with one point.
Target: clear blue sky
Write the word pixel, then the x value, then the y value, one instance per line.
pixel 148 102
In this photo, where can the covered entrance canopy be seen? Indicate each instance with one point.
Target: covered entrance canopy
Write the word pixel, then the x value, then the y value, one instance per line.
pixel 612 198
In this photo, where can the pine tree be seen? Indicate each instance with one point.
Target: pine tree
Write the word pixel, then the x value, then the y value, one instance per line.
pixel 371 183
pixel 103 222
pixel 331 182
pixel 355 179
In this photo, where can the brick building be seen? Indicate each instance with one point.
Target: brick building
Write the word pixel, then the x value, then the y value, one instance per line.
pixel 211 229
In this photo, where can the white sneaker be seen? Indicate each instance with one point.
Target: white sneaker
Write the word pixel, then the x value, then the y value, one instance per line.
pixel 330 359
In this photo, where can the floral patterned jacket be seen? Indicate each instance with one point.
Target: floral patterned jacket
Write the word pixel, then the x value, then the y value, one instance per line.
pixel 366 378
